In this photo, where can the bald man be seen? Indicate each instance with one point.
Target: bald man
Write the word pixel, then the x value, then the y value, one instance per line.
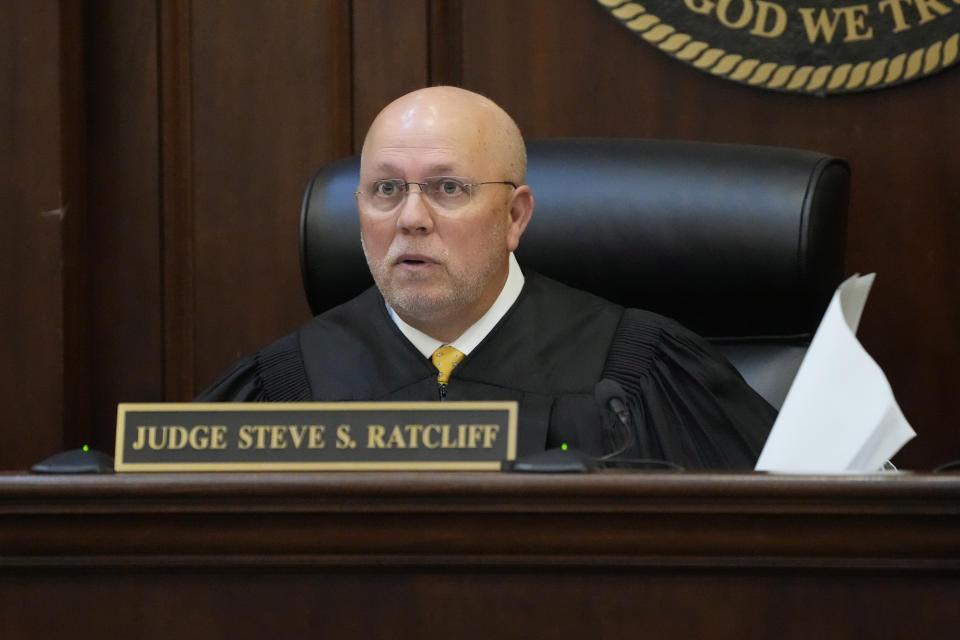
pixel 441 261
pixel 442 206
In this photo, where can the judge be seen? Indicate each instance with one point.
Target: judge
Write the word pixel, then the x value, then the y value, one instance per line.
pixel 442 206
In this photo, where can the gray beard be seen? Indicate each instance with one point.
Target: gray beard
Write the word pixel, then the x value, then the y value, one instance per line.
pixel 412 305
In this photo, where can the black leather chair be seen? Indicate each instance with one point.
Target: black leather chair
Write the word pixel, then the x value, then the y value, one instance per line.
pixel 743 244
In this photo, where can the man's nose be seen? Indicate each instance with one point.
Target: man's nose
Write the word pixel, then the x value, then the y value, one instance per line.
pixel 415 213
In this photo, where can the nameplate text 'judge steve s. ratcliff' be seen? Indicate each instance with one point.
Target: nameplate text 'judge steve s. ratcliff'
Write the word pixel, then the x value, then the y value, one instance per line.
pixel 315 435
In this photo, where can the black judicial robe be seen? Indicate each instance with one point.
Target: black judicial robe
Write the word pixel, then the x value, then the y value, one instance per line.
pixel 688 404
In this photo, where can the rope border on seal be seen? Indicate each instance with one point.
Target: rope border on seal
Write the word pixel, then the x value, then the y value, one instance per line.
pixel 849 76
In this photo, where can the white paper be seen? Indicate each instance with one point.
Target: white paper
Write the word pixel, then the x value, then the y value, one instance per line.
pixel 840 414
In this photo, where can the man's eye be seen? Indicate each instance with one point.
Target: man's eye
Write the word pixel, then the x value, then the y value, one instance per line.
pixel 450 188
pixel 385 189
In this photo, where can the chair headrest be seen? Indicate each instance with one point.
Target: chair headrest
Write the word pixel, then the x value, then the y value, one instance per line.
pixel 731 240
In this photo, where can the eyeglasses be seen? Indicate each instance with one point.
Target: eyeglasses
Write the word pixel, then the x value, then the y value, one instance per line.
pixel 446 192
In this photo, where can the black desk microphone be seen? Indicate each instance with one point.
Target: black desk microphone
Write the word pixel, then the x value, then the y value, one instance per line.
pixel 610 395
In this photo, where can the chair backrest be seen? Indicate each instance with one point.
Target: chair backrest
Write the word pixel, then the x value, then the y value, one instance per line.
pixel 743 244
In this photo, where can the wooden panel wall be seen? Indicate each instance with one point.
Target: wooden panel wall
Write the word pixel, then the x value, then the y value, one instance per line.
pixel 270 100
pixel 123 199
pixel 41 218
pixel 181 134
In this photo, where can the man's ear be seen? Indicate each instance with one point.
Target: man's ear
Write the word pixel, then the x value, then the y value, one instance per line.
pixel 521 210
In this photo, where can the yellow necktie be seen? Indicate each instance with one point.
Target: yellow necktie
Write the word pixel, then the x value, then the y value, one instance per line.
pixel 445 359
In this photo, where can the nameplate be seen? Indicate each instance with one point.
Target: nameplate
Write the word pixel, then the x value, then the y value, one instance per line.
pixel 224 436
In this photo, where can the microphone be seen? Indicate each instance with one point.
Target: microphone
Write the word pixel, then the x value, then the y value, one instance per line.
pixel 609 394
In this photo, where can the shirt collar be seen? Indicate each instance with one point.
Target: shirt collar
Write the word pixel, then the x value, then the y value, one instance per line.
pixel 475 334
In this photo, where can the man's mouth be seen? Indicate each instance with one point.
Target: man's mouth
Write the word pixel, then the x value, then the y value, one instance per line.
pixel 414 260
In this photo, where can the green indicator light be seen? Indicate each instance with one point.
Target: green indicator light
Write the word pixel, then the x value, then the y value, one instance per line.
pixel 564 446
pixel 86 448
